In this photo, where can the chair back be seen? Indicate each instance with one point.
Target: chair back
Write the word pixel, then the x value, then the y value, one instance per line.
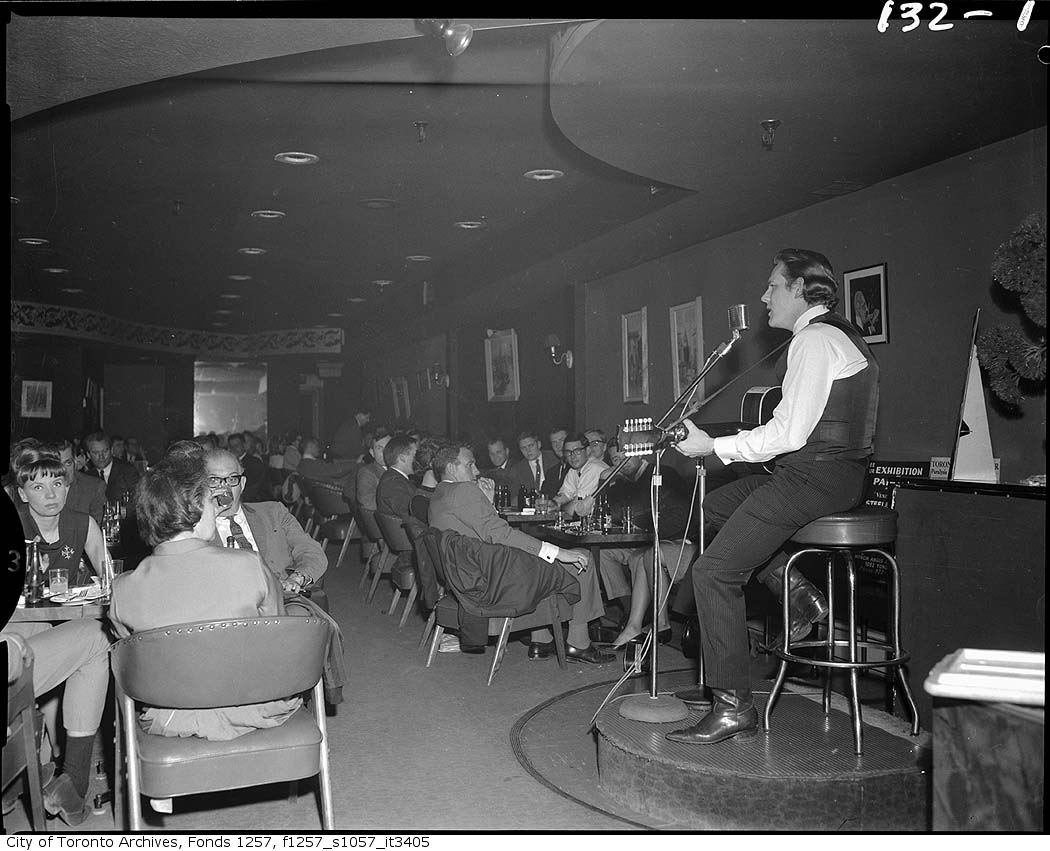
pixel 209 664
pixel 420 507
pixel 328 499
pixel 393 533
pixel 430 541
pixel 366 520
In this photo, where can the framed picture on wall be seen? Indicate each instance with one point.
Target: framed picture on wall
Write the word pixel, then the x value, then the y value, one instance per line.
pixel 36 399
pixel 687 345
pixel 864 300
pixel 635 341
pixel 501 366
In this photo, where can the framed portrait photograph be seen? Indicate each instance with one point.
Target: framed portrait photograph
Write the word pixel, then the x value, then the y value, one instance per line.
pixel 501 366
pixel 36 399
pixel 687 345
pixel 635 341
pixel 864 302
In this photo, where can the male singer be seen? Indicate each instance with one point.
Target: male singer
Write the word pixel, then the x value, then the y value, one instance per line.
pixel 821 435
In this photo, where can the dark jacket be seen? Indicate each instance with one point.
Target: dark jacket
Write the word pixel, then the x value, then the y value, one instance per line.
pixel 394 494
pixel 122 478
pixel 87 494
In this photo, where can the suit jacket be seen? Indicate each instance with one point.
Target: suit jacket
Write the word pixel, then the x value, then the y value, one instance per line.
pixel 394 494
pixel 122 478
pixel 346 443
pixel 87 494
pixel 553 478
pixel 256 480
pixel 367 482
pixel 523 474
pixel 462 507
pixel 283 545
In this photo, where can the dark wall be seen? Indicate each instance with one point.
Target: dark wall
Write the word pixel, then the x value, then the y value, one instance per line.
pixel 937 230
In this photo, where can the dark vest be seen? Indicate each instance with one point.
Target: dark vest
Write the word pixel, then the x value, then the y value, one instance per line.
pixel 846 429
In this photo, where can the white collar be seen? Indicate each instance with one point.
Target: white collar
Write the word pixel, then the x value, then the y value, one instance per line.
pixel 808 316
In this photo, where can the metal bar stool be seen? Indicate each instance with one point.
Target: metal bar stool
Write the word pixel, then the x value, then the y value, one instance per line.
pixel 862 530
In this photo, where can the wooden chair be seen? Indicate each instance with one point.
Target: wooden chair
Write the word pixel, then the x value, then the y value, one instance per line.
pixel 211 664
pixel 20 749
pixel 403 572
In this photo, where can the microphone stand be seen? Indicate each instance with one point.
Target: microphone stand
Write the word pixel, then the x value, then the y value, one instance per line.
pixel 653 707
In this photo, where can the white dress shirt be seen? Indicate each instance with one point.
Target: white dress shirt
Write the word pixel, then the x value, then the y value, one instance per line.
pixel 819 355
pixel 222 526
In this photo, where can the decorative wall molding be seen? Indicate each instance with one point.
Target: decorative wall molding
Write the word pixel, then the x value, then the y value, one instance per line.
pixel 29 317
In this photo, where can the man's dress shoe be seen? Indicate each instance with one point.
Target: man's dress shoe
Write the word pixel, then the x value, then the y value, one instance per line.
pixel 732 714
pixel 476 649
pixel 590 655
pixel 541 649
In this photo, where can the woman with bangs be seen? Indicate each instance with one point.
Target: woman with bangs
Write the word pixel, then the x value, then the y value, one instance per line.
pixel 64 536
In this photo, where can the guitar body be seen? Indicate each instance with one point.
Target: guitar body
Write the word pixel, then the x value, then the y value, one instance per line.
pixel 756 408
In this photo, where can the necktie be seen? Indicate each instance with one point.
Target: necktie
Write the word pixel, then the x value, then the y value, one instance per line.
pixel 539 473
pixel 102 474
pixel 237 538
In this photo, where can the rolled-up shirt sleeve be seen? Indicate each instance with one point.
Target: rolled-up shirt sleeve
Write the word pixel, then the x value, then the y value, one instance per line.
pixel 817 356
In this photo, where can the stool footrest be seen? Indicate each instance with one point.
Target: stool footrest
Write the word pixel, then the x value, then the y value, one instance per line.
pixel 842 664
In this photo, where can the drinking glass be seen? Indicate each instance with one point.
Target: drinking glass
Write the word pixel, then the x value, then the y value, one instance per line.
pixel 58 580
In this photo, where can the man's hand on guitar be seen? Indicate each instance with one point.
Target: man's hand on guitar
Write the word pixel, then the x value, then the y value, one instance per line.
pixel 696 443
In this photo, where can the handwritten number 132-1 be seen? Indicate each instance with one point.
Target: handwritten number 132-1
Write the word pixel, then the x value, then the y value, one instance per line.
pixel 910 12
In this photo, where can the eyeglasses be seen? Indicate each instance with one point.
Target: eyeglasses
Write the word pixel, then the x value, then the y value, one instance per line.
pixel 574 451
pixel 599 440
pixel 225 481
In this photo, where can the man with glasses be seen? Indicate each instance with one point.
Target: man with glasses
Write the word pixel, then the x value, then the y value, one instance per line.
pixel 582 479
pixel 597 445
pixel 295 558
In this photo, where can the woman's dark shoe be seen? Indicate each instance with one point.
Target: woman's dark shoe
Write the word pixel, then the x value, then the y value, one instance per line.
pixel 732 714
pixel 541 649
pixel 61 799
pixel 476 649
pixel 691 638
pixel 591 655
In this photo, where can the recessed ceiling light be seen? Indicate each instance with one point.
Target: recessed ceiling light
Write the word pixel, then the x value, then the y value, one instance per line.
pixel 55 270
pixel 219 324
pixel 382 282
pixel 544 174
pixel 229 295
pixel 267 214
pixel 224 312
pixel 251 250
pixel 296 158
pixel 335 315
pixel 15 199
pixel 33 240
pixel 73 290
pixel 418 258
pixel 239 277
pixel 470 225
pixel 355 300
pixel 378 203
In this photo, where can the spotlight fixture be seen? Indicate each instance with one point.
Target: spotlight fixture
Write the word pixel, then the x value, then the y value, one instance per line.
pixel 72 290
pixel 251 251
pixel 456 36
pixel 544 174
pixel 224 312
pixel 769 129
pixel 418 258
pixel 335 315
pixel 239 277
pixel 355 300
pixel 219 324
pixel 296 158
pixel 559 355
pixel 470 225
pixel 229 296
pixel 267 214
pixel 54 270
pixel 438 375
pixel 378 203
pixel 33 240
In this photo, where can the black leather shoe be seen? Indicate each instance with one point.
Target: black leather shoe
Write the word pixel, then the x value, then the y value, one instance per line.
pixel 476 649
pixel 591 655
pixel 541 649
pixel 732 714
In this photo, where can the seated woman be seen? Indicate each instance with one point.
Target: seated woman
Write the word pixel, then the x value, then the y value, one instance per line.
pixel 64 535
pixel 188 578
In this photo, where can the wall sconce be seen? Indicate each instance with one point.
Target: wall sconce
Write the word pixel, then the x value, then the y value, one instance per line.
pixel 456 36
pixel 559 355
pixel 769 129
pixel 437 376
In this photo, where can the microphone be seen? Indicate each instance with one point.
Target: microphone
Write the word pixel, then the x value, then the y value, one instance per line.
pixel 738 318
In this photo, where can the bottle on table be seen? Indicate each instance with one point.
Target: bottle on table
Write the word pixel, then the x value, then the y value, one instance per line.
pixel 34 575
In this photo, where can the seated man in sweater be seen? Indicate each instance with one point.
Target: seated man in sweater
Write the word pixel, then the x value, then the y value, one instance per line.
pixel 462 503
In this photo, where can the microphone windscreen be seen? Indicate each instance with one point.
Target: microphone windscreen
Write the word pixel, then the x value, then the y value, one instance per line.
pixel 738 317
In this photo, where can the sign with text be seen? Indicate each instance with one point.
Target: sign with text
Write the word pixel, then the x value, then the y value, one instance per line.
pixel 884 475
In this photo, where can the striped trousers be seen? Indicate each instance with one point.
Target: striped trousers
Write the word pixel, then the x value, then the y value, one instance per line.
pixel 755 516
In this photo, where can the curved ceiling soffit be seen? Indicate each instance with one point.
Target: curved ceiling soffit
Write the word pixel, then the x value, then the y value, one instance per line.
pixel 682 101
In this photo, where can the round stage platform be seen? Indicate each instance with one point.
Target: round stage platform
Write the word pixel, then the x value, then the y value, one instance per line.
pixel 801 776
